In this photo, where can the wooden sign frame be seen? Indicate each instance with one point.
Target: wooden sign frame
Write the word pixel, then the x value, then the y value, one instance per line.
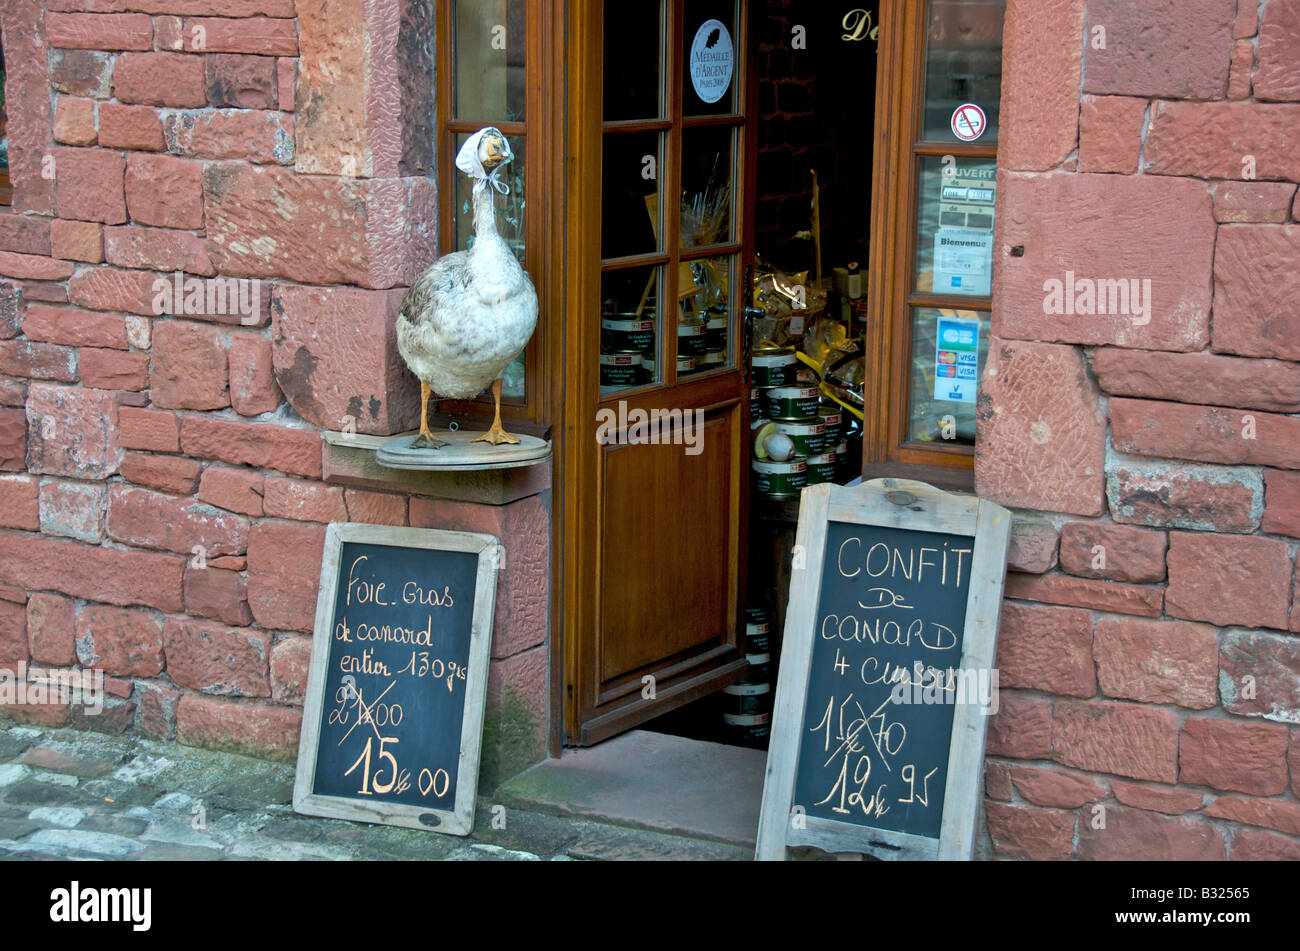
pixel 906 505
pixel 460 819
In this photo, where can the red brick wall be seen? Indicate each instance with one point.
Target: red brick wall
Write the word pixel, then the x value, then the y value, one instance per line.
pixel 1149 637
pixel 242 139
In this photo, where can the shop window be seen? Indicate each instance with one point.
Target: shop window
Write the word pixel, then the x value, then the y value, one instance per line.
pixel 933 260
pixel 6 192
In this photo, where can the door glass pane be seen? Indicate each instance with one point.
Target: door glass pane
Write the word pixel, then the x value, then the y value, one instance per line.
pixel 491 43
pixel 711 60
pixel 630 204
pixel 629 329
pixel 954 225
pixel 632 42
pixel 708 171
pixel 949 348
pixel 509 207
pixel 963 64
pixel 704 314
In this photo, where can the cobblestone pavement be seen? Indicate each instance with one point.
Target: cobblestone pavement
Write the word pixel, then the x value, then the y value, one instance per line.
pixel 66 794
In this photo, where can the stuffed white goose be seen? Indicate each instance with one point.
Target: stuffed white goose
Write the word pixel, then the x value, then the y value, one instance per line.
pixel 472 312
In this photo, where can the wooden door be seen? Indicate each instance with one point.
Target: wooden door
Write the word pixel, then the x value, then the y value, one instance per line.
pixel 656 457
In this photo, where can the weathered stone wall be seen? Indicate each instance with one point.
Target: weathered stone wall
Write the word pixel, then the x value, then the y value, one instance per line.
pixel 287 142
pixel 1152 457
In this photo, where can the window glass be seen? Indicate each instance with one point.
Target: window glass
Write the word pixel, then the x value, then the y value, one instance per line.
pixel 704 315
pixel 632 37
pixel 949 348
pixel 954 225
pixel 708 176
pixel 963 64
pixel 5 193
pixel 710 58
pixel 630 329
pixel 491 43
pixel 631 202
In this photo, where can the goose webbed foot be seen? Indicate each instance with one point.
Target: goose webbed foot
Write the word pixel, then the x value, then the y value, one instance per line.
pixel 427 441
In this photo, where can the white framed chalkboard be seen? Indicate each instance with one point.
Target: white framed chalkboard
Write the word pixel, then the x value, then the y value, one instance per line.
pixel 392 723
pixel 886 676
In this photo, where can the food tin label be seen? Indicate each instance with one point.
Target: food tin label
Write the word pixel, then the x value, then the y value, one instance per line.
pixel 774 358
pixel 747 719
pixel 685 364
pixel 628 326
pixel 747 690
pixel 792 402
pixel 793 467
pixel 757 627
pixel 714 358
pixel 690 329
pixel 620 359
pixel 758 659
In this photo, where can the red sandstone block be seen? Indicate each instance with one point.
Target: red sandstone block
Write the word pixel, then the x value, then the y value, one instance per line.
pixel 13 436
pixel 1294 759
pixel 261 137
pixel 149 429
pixel 1255 269
pixel 239 490
pixel 1228 579
pixel 165 191
pixel 77 240
pixel 96 31
pixel 159 79
pixel 261 35
pixel 125 642
pixel 304 501
pixel 1117 552
pixel 1274 814
pixel 1166 799
pixel 1157 661
pixel 137 128
pixel 1046 648
pixel 26 234
pixel 1241 69
pixel 1121 738
pixel 13 635
pixel 1205 378
pixel 285 76
pixel 1253 202
pixel 243 82
pixel 1205 433
pixel 1279 51
pixel 37 714
pixel 1040 395
pixel 12 393
pixel 1021 729
pixel 1200 497
pixel 1212 139
pixel 1056 787
pixel 292 451
pixel 74 121
pixel 1234 755
pixel 89 186
pixel 253 389
pixel 33 267
pixel 173 474
pixel 284 573
pixel 157 711
pixel 1040 93
pixel 157 249
pixel 1175 49
pixel 1134 834
pixel 1252 845
pixel 50 292
pixel 1281 503
pixel 250 728
pixel 150 520
pixel 212 658
pixel 1141 600
pixel 1272 664
pixel 106 288
pixel 20 502
pixel 38 361
pixel 290 661
pixel 75 328
pixel 1110 133
pixel 51 629
pixel 72 432
pixel 376 508
pixel 113 369
pixel 188 369
pixel 217 593
pixel 72 509
pixel 81 73
pixel 1040 834
pixel 1247 22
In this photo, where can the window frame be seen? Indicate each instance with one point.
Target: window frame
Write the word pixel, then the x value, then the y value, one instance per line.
pixel 900 82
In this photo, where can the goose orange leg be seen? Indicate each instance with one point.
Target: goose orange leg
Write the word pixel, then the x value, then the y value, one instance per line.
pixel 426 439
pixel 496 435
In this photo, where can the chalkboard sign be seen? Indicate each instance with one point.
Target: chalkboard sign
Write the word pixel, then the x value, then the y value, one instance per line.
pixel 886 678
pixel 393 718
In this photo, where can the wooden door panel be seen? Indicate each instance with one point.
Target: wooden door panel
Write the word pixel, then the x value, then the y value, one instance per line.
pixel 668 548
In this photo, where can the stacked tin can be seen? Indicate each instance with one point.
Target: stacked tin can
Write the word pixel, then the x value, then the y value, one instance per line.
pixel 747 711
pixel 827 467
pixel 627 349
pixel 774 369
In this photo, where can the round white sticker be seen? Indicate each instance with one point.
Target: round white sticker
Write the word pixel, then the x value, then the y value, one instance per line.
pixel 712 60
pixel 968 122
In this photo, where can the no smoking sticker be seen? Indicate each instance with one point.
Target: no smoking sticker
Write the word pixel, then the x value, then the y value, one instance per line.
pixel 969 122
